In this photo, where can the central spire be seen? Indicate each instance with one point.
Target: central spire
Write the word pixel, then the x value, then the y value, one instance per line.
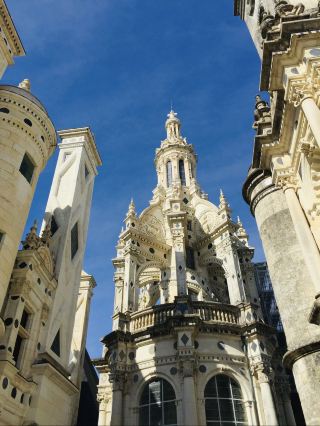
pixel 173 126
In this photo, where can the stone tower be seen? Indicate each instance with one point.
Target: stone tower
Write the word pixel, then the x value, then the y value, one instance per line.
pixel 187 324
pixel 282 186
pixel 68 211
pixel 48 300
pixel 27 140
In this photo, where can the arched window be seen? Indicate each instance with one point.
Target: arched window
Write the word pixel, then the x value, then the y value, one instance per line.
pixel 169 173
pixel 224 402
pixel 182 173
pixel 158 404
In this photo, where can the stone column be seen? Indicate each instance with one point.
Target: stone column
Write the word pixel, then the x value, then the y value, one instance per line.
pixel 269 409
pixel 178 285
pixel 305 237
pixel 292 284
pixel 190 417
pixel 102 420
pixel 312 114
pixel 117 400
pixel 129 282
pixel 225 250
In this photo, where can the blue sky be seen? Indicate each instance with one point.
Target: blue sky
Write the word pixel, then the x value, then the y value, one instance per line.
pixel 115 65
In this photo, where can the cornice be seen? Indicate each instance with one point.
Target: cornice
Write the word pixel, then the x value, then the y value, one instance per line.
pixel 10 29
pixel 87 140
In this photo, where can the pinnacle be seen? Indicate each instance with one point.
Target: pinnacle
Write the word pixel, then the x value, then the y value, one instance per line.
pixel 132 208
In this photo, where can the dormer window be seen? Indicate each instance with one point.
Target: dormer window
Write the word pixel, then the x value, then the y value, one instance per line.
pixel 182 173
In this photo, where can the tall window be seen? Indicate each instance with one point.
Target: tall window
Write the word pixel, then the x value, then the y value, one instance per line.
pixel 169 173
pixel 190 258
pixel 182 173
pixel 22 336
pixel 224 402
pixel 27 167
pixel 158 404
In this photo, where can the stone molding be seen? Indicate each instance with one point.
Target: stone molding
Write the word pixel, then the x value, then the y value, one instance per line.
pixel 292 356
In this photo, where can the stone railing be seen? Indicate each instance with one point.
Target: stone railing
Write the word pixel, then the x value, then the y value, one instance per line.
pixel 207 311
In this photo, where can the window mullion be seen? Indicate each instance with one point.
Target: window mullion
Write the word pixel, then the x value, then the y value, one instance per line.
pixel 232 401
pixel 218 400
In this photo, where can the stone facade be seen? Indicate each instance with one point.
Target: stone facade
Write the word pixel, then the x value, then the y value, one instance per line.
pixel 187 319
pixel 282 184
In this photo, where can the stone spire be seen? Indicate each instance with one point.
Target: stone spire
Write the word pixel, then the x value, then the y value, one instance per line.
pixel 224 206
pixel 243 236
pixel 32 240
pixel 173 125
pixel 131 215
pixel 46 233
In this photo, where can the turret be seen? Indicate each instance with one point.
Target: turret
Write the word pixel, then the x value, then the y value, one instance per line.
pixel 27 140
pixel 175 159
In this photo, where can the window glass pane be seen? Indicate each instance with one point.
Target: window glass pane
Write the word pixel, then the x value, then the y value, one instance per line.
pixel 228 424
pixel 226 409
pixel 168 391
pixel 24 319
pixel 182 174
pixel 190 258
pixel 170 413
pixel 145 396
pixel 211 389
pixel 27 168
pixel 240 412
pixel 212 410
pixel 155 392
pixel 223 386
pixel 144 416
pixel 236 390
pixel 155 415
pixel 152 398
pixel 17 348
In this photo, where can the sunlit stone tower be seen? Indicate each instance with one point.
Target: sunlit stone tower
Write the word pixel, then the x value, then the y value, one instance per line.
pixel 282 186
pixel 27 140
pixel 187 326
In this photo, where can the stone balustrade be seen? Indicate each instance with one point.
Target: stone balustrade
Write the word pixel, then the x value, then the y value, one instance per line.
pixel 207 311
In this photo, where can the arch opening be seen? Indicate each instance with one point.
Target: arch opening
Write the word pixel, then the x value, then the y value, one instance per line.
pixel 224 402
pixel 157 405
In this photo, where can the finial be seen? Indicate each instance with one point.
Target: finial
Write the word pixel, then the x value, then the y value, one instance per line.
pixel 222 198
pixel 241 232
pixel 46 233
pixel 25 84
pixel 32 240
pixel 34 227
pixel 132 208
